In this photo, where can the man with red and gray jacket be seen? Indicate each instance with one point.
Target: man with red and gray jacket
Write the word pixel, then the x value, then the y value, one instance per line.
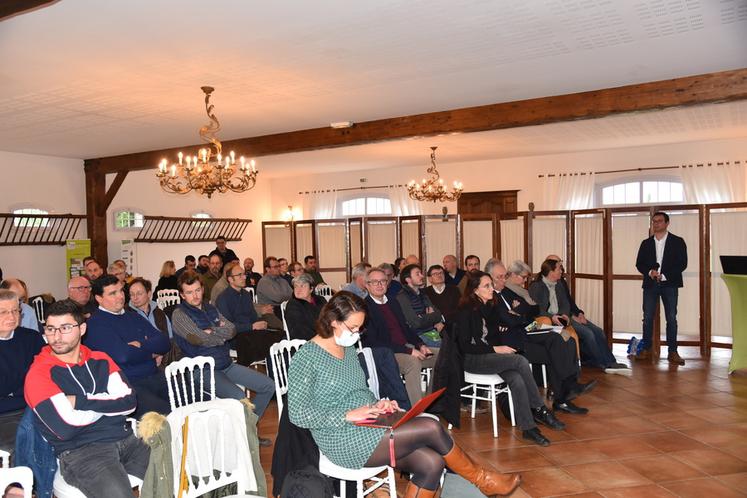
pixel 80 398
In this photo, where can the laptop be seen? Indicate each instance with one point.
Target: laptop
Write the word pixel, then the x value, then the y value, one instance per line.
pixel 395 419
pixel 734 265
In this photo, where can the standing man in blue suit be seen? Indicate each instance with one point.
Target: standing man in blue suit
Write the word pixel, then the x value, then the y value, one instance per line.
pixel 661 260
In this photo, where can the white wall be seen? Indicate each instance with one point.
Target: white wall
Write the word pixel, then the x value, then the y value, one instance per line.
pixel 55 184
pixel 141 191
pixel 516 173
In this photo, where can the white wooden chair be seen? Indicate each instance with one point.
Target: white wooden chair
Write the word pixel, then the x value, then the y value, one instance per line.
pixel 251 292
pixel 325 291
pixel 20 475
pixel 285 324
pixel 371 474
pixel 491 385
pixel 39 304
pixel 167 297
pixel 186 380
pixel 4 459
pixel 278 354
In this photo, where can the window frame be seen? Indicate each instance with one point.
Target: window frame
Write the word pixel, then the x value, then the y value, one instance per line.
pixel 118 211
pixel 599 190
pixel 43 223
pixel 341 202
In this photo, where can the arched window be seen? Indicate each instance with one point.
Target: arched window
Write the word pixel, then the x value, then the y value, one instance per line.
pixel 653 191
pixel 201 216
pixel 127 219
pixel 366 206
pixel 30 222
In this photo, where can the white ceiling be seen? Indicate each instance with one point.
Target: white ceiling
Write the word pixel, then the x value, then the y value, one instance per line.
pixel 86 78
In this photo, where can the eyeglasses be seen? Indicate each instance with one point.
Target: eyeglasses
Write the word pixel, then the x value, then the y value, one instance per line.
pixel 499 277
pixel 63 329
pixel 15 312
pixel 436 274
pixel 199 290
pixel 237 275
pixel 81 288
pixel 377 282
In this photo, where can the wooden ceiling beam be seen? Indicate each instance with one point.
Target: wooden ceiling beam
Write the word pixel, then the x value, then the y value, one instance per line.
pixel 10 8
pixel 723 86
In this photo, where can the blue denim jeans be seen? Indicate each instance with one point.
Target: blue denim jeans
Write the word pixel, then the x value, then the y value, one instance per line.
pixel 261 385
pixel 669 300
pixel 33 451
pixel 594 347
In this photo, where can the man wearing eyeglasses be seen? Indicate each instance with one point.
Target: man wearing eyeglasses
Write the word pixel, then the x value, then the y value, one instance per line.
pixel 444 296
pixel 79 399
pixel 386 327
pixel 79 291
pixel 18 346
pixel 132 342
pixel 273 288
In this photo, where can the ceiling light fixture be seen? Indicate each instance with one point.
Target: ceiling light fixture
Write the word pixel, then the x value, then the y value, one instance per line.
pixel 433 188
pixel 208 171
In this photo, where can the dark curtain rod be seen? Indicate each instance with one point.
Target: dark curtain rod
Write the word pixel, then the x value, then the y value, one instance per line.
pixel 347 189
pixel 638 169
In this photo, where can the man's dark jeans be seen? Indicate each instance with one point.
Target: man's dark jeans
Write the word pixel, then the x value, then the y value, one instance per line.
pixel 669 300
pixel 100 470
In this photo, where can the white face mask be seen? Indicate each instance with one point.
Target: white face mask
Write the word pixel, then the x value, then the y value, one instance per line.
pixel 347 338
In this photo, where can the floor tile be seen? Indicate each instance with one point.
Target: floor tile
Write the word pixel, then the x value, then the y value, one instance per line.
pixel 624 447
pixel 550 482
pixel 713 462
pixel 516 459
pixel 645 491
pixel 737 482
pixel 662 468
pixel 672 441
pixel 573 452
pixel 601 475
pixel 701 488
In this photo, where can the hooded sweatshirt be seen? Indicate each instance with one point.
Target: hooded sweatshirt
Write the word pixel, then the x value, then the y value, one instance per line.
pixel 102 399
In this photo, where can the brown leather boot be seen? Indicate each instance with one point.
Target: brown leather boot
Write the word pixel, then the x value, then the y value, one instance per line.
pixel 489 482
pixel 412 491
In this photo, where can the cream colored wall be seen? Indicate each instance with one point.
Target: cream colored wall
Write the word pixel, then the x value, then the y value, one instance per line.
pixel 51 183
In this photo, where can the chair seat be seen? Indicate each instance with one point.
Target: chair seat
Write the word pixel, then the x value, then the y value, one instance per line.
pixel 328 468
pixel 64 490
pixel 486 379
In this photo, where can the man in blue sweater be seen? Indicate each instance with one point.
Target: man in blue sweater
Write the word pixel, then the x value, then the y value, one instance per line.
pixel 132 342
pixel 18 346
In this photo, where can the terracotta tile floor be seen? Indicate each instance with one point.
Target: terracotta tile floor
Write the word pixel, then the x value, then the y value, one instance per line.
pixel 667 431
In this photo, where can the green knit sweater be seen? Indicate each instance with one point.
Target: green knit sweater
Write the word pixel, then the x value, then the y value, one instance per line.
pixel 321 390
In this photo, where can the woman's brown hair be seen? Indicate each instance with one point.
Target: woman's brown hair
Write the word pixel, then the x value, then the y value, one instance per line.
pixel 469 299
pixel 338 309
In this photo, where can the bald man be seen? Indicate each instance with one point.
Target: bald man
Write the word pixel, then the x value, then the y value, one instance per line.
pixel 595 350
pixel 79 291
pixel 28 315
pixel 454 274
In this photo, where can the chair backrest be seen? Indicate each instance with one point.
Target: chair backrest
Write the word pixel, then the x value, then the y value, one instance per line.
pixel 187 383
pixel 217 453
pixel 38 304
pixel 21 475
pixel 281 353
pixel 251 292
pixel 4 459
pixel 167 297
pixel 285 324
pixel 325 291
pixel 373 376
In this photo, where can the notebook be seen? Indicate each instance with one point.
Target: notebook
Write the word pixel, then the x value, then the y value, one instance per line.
pixel 395 419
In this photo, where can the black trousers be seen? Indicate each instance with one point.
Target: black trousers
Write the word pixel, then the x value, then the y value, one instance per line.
pixel 255 345
pixel 559 356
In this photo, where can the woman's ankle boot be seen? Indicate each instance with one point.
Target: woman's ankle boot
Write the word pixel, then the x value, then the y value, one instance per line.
pixel 489 482
pixel 412 491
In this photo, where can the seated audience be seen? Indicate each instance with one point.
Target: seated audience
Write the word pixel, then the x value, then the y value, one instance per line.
pixel 312 269
pixel 273 289
pixel 357 283
pixel 409 260
pixel 226 255
pixel 399 263
pixel 80 399
pixel 551 349
pixel 303 308
pixel 283 262
pixel 167 277
pixel 203 264
pixel 143 305
pixel 517 274
pixel 393 285
pixel 595 350
pixel 454 274
pixel 253 340
pixel 478 331
pixel 220 286
pixel 18 346
pixel 79 291
pixel 211 277
pixel 28 315
pixel 420 313
pixel 119 272
pixel 122 264
pixel 201 330
pixel 190 264
pixel 328 394
pixel 294 270
pixel 386 327
pixel 444 297
pixel 252 277
pixel 132 342
pixel 92 268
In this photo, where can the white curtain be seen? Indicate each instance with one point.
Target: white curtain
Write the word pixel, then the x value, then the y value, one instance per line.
pixel 320 206
pixel 512 240
pixel 478 239
pixel 410 235
pixel 402 205
pixel 709 184
pixel 561 191
pixel 440 240
pixel 548 237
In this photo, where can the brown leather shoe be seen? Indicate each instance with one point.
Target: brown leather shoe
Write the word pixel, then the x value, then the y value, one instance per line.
pixel 644 355
pixel 675 359
pixel 412 491
pixel 489 482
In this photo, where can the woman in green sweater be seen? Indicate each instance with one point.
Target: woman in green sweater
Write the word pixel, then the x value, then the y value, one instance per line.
pixel 327 394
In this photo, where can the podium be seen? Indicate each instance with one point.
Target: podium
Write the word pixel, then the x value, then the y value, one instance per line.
pixel 737 285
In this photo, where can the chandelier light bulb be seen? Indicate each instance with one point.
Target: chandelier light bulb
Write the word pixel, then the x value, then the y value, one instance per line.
pixel 433 189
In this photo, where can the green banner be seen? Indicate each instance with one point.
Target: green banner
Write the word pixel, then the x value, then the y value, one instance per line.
pixel 75 251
